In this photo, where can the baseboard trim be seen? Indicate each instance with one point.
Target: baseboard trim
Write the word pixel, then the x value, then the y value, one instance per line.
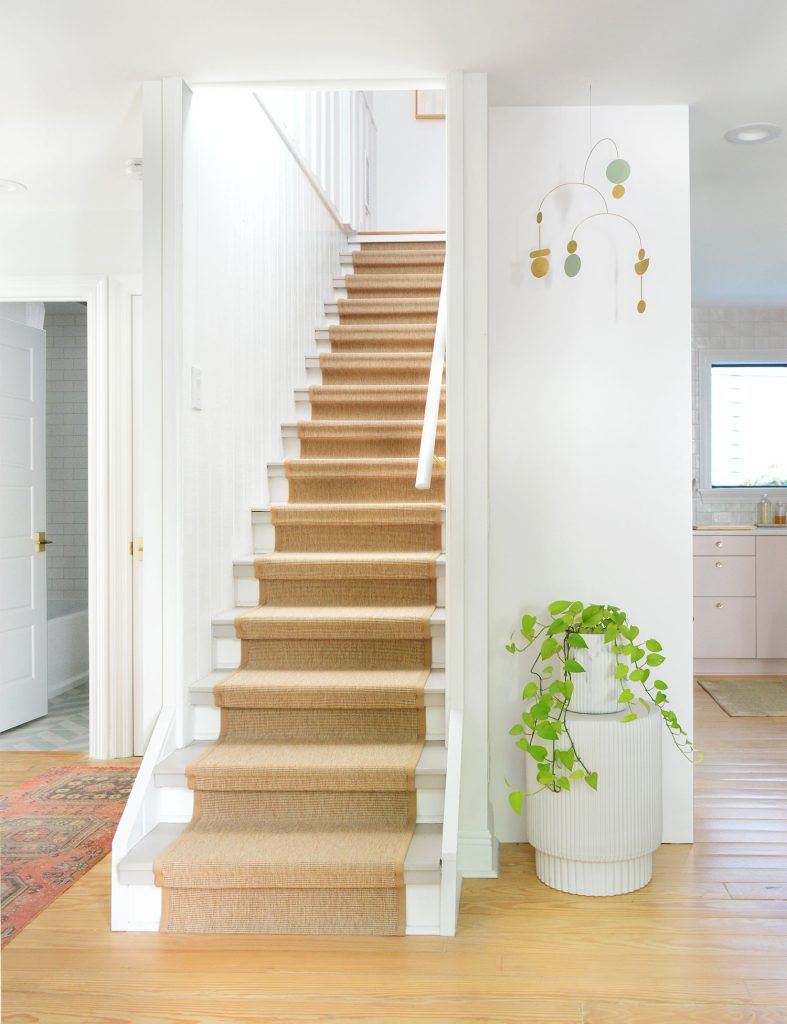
pixel 478 855
pixel 67 684
pixel 740 666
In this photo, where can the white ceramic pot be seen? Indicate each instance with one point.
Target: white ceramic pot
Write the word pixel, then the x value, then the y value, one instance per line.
pixel 601 843
pixel 596 691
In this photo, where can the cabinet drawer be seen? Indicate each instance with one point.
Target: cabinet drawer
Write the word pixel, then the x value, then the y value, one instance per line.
pixel 722 576
pixel 723 545
pixel 724 627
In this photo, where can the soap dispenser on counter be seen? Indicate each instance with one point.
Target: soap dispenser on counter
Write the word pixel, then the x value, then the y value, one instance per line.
pixel 765 512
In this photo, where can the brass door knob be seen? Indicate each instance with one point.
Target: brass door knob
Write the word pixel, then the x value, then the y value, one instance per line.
pixel 719 604
pixel 40 541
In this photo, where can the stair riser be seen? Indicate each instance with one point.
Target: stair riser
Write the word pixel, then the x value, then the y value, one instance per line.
pixel 247 590
pixel 227 649
pixel 176 803
pixel 377 345
pixel 380 448
pixel 369 289
pixel 371 408
pixel 348 377
pixel 359 490
pixel 348 315
pixel 422 903
pixel 385 538
pixel 206 721
pixel 281 490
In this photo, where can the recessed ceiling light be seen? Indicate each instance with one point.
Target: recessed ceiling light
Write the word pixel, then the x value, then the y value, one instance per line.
pixel 747 134
pixel 6 185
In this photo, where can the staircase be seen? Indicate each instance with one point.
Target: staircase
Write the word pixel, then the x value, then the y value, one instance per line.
pixel 339 632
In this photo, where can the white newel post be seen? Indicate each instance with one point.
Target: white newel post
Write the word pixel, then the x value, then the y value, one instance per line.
pixel 601 843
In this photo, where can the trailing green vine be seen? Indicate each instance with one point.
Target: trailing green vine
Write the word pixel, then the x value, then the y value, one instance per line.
pixel 544 732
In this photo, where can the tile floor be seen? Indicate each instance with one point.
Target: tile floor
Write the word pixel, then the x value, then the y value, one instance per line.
pixel 64 728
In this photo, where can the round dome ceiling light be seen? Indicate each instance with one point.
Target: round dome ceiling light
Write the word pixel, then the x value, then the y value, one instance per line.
pixel 6 185
pixel 749 134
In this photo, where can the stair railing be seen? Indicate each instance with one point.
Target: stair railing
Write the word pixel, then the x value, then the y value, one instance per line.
pixel 423 476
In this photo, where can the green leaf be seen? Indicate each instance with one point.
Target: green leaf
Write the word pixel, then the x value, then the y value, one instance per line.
pixel 530 690
pixel 637 675
pixel 655 659
pixel 660 698
pixel 545 778
pixel 549 647
pixel 638 652
pixel 576 640
pixel 660 684
pixel 547 730
pixel 610 633
pixel 515 799
pixel 558 626
pixel 568 689
pixel 578 773
pixel 592 779
pixel 537 753
pixel 523 744
pixel 515 730
pixel 540 710
pixel 570 665
pixel 528 626
pixel 563 782
pixel 621 672
pixel 511 648
pixel 548 670
pixel 653 645
pixel 625 697
pixel 528 719
pixel 576 607
pixel 558 606
pixel 566 758
pixel 646 704
pixel 629 718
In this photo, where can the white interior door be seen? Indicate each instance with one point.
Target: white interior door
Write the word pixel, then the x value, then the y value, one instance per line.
pixel 23 686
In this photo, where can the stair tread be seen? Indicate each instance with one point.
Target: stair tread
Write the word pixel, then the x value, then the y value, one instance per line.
pixel 228 617
pixel 421 866
pixel 355 557
pixel 359 507
pixel 432 762
pixel 201 692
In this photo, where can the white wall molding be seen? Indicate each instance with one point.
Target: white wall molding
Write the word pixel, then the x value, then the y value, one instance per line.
pixel 467 484
pixel 478 854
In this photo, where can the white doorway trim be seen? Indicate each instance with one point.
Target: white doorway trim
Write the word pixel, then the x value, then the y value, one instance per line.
pixel 109 303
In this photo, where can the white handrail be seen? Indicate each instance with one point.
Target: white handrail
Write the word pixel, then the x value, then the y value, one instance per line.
pixel 423 477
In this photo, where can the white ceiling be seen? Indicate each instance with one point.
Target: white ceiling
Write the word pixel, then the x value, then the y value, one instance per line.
pixel 71 76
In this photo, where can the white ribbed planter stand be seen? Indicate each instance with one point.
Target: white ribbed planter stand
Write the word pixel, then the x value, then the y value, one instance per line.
pixel 601 843
pixel 596 690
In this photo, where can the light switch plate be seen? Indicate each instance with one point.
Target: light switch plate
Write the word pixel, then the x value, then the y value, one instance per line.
pixel 196 387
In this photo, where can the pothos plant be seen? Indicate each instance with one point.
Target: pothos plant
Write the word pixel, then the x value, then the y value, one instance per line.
pixel 544 732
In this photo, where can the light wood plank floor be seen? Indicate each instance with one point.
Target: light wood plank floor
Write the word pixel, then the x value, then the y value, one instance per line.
pixel 705 943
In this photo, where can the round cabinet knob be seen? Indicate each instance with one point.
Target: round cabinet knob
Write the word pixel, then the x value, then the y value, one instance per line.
pixel 719 565
pixel 719 543
pixel 719 604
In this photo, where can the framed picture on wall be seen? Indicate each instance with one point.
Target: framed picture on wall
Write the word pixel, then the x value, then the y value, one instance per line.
pixel 430 104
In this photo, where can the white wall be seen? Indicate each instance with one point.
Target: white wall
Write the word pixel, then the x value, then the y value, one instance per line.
pixel 260 253
pixel 410 192
pixel 66 454
pixel 61 242
pixel 590 406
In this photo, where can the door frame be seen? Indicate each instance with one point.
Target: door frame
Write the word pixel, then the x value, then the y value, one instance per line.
pixel 109 307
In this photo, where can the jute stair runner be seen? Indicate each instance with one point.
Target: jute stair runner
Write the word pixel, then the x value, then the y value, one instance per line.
pixel 305 806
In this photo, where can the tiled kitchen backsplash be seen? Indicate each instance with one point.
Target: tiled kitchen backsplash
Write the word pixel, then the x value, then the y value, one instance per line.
pixel 730 327
pixel 66 454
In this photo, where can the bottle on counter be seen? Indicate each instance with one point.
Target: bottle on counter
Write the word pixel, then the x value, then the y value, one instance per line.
pixel 780 515
pixel 765 512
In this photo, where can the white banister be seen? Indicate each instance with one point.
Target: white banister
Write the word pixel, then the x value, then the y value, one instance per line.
pixel 423 477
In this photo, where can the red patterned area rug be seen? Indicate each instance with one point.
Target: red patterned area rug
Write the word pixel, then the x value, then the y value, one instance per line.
pixel 53 829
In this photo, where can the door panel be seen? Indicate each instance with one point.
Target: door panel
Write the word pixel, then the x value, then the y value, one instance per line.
pixel 23 687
